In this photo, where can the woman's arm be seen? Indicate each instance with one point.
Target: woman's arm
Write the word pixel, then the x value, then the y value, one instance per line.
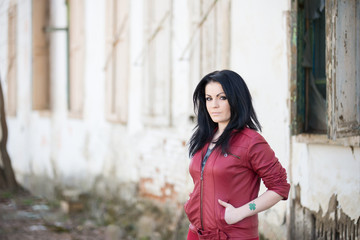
pixel 263 202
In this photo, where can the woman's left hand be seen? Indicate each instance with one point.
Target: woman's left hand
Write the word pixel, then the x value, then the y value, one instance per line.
pixel 231 213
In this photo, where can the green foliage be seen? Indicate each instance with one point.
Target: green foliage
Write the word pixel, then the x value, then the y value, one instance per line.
pixel 6 195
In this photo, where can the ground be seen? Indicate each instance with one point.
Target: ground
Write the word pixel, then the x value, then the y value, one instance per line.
pixel 25 217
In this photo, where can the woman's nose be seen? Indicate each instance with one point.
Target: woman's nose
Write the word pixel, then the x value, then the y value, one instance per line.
pixel 215 103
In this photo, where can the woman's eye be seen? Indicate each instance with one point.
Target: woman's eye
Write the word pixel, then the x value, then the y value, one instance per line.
pixel 223 98
pixel 208 99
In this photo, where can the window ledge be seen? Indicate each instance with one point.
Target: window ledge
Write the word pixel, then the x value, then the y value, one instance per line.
pixel 323 139
pixel 75 115
pixel 112 118
pixel 11 114
pixel 46 113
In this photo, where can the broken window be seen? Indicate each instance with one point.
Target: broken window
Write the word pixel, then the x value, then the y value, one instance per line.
pixel 40 55
pixel 77 54
pixel 117 60
pixel 325 86
pixel 12 57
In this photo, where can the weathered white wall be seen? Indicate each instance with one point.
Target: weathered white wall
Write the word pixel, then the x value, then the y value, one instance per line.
pixel 323 170
pixel 259 54
pixel 90 152
pixel 52 149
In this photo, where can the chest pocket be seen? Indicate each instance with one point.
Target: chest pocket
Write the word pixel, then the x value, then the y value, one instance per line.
pixel 236 157
pixel 230 164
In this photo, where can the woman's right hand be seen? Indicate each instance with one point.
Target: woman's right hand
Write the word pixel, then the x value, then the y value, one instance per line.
pixel 231 213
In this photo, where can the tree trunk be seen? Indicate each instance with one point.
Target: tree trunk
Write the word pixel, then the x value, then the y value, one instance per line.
pixel 7 176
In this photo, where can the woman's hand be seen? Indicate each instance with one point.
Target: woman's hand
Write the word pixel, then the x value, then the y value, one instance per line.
pixel 231 213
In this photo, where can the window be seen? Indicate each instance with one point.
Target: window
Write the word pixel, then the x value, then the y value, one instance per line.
pixel 311 77
pixel 156 55
pixel 325 86
pixel 117 60
pixel 76 61
pixel 209 45
pixel 214 35
pixel 40 54
pixel 12 57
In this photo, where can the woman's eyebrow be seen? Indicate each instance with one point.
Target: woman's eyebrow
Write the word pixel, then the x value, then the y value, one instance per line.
pixel 216 94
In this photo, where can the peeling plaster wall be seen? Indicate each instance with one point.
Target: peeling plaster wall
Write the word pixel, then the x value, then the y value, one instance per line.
pixel 325 170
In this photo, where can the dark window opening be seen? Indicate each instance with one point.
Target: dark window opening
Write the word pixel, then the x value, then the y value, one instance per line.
pixel 311 74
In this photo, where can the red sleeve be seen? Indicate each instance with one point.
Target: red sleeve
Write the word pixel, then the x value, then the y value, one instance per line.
pixel 264 162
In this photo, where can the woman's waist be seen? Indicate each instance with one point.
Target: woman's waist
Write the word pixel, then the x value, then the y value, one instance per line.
pixel 230 232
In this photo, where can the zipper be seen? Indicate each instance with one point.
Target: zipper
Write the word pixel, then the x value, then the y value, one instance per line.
pixel 201 190
pixel 234 155
pixel 202 183
pixel 201 204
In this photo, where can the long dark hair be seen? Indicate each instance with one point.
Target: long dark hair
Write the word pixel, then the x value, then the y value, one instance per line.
pixel 242 111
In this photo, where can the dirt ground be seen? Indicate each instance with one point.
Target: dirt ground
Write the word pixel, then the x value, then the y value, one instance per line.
pixel 25 217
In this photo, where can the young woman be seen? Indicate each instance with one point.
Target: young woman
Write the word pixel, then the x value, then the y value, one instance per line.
pixel 229 158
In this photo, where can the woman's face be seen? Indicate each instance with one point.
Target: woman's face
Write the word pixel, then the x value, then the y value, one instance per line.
pixel 217 104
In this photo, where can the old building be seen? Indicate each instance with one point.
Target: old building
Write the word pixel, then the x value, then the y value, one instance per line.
pixel 99 97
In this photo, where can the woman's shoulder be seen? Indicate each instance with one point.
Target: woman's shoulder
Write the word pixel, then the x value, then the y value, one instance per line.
pixel 247 133
pixel 246 136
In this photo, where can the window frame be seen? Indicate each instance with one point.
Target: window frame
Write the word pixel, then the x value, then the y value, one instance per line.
pixel 332 33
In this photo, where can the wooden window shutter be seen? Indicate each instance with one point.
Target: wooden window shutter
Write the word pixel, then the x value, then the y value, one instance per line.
pixel 77 53
pixel 343 68
pixel 40 53
pixel 12 56
pixel 157 65
pixel 208 48
pixel 117 60
pixel 122 56
pixel 215 36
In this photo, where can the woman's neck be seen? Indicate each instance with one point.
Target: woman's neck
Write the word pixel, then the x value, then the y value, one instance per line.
pixel 216 136
pixel 221 128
